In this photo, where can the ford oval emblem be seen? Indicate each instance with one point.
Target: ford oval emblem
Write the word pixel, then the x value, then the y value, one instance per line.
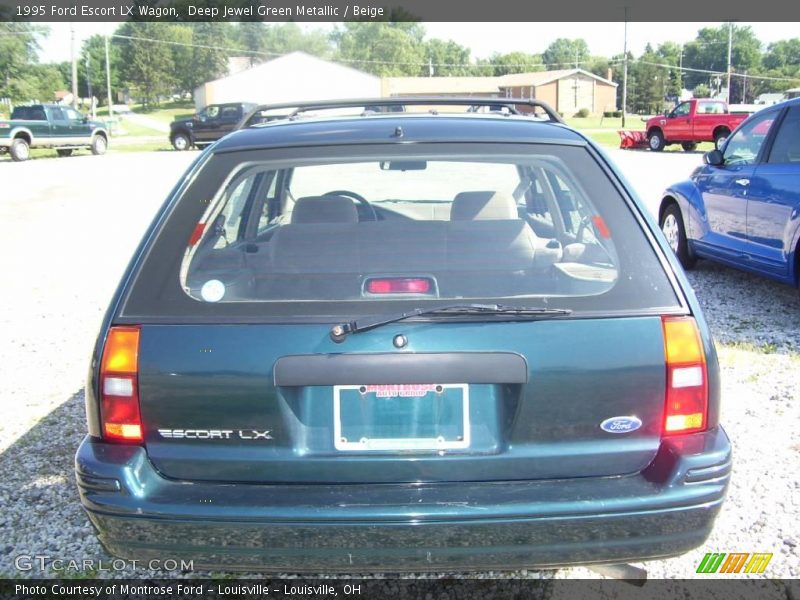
pixel 621 424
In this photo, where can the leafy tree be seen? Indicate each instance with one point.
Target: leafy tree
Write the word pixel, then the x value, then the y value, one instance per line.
pixel 447 58
pixel 182 53
pixel 669 53
pixel 646 96
pixel 564 53
pixel 598 65
pixel 709 51
pixel 382 48
pixel 147 66
pixel 288 37
pixel 93 50
pixel 18 49
pixel 701 91
pixel 207 60
pixel 783 54
pixel 249 35
pixel 514 62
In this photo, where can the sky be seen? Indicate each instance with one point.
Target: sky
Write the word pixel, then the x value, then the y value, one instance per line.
pixel 484 39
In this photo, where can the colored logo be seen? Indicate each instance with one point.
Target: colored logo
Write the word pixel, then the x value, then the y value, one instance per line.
pixel 734 562
pixel 621 424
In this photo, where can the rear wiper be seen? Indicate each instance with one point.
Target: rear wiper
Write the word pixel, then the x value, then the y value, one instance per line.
pixel 342 330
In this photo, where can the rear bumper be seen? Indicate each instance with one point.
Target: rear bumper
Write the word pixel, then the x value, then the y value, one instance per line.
pixel 664 511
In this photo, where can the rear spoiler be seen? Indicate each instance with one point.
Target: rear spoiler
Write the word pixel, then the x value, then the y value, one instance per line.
pixel 372 106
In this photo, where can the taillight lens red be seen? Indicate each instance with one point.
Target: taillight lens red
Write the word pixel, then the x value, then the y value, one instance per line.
pixel 686 408
pixel 399 285
pixel 119 386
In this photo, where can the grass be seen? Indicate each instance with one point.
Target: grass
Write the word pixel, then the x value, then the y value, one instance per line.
pixel 167 112
pixel 39 153
pixel 132 129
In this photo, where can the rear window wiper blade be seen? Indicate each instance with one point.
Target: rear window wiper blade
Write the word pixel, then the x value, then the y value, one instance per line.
pixel 342 330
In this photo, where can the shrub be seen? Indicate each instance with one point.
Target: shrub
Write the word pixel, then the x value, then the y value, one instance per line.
pixel 612 113
pixel 583 113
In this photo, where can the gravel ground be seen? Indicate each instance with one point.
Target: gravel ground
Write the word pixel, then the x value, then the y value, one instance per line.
pixel 57 213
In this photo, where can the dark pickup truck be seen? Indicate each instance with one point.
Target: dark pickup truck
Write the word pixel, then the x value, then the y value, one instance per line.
pixel 50 126
pixel 208 125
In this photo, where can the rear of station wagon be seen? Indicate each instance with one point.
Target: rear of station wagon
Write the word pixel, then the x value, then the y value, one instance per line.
pixel 399 342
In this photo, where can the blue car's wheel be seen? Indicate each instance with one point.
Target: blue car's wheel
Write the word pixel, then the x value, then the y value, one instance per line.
pixel 675 232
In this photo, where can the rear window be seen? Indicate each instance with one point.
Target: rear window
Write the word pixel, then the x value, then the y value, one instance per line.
pixel 534 225
pixel 29 113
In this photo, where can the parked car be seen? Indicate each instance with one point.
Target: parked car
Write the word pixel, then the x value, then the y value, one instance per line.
pixel 690 122
pixel 742 208
pixel 208 125
pixel 50 126
pixel 403 341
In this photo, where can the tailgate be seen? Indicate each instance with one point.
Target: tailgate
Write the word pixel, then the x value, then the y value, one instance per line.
pixel 461 402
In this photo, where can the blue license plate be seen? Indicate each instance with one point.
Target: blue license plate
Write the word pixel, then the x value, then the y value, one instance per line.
pixel 395 417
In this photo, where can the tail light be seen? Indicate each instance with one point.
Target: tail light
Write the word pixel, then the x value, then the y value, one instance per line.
pixel 119 386
pixel 687 385
pixel 399 285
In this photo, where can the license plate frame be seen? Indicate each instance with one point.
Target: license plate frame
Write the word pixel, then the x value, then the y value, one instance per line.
pixel 397 394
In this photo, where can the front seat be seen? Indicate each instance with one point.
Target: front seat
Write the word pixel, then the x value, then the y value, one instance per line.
pixel 480 205
pixel 324 209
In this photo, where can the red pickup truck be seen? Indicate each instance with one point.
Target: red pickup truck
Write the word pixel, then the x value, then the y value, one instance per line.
pixel 693 121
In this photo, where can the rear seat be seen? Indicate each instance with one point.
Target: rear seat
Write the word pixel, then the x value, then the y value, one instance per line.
pixel 485 246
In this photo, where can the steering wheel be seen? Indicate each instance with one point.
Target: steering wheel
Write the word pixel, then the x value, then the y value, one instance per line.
pixel 364 208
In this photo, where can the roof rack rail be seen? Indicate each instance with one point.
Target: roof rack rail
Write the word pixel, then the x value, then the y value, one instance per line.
pixel 297 108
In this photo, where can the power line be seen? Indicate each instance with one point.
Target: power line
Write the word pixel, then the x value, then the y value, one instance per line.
pixel 354 60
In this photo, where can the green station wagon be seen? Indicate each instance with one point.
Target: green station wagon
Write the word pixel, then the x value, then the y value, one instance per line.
pixel 441 339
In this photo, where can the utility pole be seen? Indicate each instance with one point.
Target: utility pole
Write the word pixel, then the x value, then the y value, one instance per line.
pixel 730 44
pixel 108 81
pixel 74 69
pixel 744 88
pixel 89 86
pixel 680 75
pixel 625 71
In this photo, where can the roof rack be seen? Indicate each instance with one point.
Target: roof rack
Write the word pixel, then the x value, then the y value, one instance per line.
pixel 297 108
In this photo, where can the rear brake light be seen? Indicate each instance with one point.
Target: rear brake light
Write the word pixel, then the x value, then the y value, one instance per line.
pixel 119 386
pixel 686 408
pixel 197 233
pixel 601 227
pixel 399 285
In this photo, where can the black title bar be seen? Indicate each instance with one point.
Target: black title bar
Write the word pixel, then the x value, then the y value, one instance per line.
pixel 400 10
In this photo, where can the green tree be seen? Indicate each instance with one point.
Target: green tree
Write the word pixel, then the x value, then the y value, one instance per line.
pixel 783 54
pixel 288 37
pixel 147 64
pixel 19 44
pixel 514 62
pixel 709 51
pixel 670 53
pixel 447 58
pixel 701 91
pixel 207 61
pixel 647 83
pixel 383 48
pixel 93 51
pixel 564 53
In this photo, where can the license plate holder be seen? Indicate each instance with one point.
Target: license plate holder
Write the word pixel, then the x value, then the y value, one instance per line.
pixel 401 417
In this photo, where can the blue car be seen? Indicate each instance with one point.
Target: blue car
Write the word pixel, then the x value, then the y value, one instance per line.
pixel 382 341
pixel 742 208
